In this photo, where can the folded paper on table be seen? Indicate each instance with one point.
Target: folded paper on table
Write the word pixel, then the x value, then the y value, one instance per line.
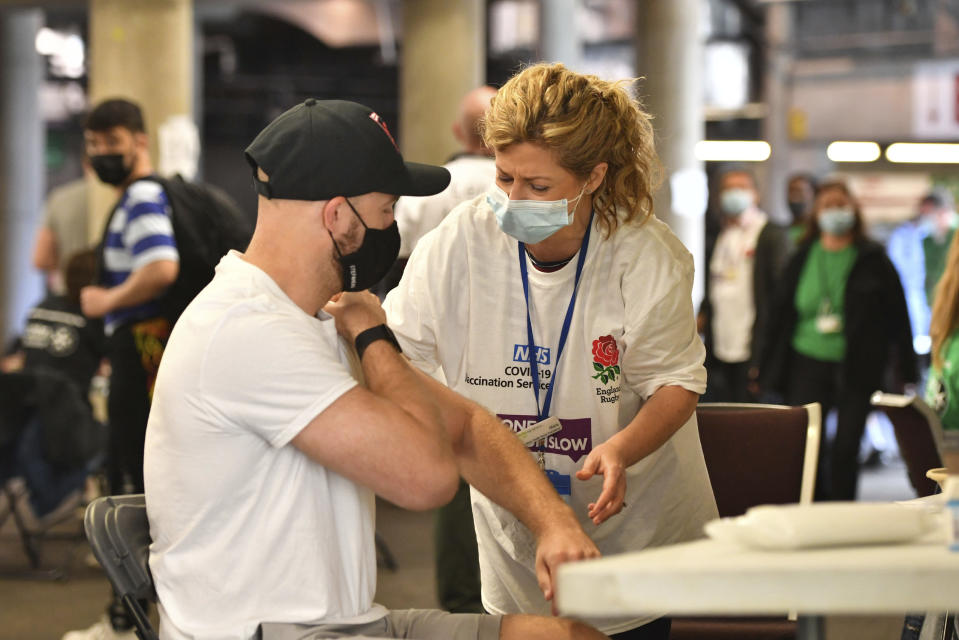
pixel 826 524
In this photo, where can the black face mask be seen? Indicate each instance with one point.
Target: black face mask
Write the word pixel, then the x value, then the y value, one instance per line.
pixel 367 265
pixel 110 168
pixel 797 208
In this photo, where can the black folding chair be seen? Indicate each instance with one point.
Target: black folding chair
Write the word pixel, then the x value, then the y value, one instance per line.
pixel 119 533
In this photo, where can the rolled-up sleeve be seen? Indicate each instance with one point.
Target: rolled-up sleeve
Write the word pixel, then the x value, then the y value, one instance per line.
pixel 663 346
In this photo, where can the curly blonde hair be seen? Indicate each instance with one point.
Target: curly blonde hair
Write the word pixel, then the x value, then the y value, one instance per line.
pixel 584 121
pixel 945 306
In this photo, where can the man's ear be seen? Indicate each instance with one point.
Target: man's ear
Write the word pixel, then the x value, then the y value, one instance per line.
pixel 331 213
pixel 458 133
pixel 141 140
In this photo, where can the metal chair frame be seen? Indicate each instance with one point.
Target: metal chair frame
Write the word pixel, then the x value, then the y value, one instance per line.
pixel 119 534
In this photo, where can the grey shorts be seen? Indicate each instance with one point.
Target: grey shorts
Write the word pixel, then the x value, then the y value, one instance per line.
pixel 421 624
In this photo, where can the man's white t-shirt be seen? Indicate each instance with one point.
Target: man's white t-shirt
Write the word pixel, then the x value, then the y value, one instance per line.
pixel 245 527
pixel 731 288
pixel 460 307
pixel 470 175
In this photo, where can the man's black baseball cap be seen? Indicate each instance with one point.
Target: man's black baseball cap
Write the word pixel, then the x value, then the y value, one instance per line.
pixel 321 149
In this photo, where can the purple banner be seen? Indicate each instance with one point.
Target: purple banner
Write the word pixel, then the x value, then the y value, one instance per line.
pixel 575 439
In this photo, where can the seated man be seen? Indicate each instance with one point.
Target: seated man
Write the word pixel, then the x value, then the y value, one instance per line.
pixel 52 439
pixel 263 453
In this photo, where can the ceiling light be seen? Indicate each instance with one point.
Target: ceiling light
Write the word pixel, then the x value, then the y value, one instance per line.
pixel 923 153
pixel 732 150
pixel 844 151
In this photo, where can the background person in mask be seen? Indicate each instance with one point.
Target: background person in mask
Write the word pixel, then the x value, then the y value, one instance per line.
pixel 918 249
pixel 938 220
pixel 840 322
pixel 263 451
pixel 559 297
pixel 744 267
pixel 139 261
pixel 800 194
pixel 63 231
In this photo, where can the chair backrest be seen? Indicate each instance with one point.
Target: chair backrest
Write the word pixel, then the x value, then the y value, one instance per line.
pixel 918 432
pixel 760 453
pixel 119 534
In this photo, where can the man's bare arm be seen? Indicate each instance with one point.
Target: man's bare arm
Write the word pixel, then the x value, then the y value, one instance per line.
pixel 391 437
pixel 45 250
pixel 144 284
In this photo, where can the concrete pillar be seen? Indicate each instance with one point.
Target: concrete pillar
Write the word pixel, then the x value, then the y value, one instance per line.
pixel 22 171
pixel 141 50
pixel 777 87
pixel 560 40
pixel 670 57
pixel 443 56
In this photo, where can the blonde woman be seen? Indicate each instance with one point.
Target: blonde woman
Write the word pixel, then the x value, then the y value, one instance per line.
pixel 942 390
pixel 558 299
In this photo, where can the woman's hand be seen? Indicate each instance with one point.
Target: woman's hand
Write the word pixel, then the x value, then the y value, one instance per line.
pixel 606 460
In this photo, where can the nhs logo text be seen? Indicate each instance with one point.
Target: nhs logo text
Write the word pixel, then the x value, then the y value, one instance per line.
pixel 521 354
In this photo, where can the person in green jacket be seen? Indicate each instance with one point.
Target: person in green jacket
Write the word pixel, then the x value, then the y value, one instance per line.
pixel 942 389
pixel 938 221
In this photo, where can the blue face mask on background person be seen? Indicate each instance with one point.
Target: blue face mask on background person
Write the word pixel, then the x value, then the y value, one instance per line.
pixel 837 220
pixel 927 225
pixel 734 201
pixel 530 221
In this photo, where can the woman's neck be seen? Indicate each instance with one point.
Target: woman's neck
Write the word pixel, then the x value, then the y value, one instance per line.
pixel 564 244
pixel 835 243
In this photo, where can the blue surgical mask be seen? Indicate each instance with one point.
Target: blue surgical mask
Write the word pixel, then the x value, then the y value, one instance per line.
pixel 530 221
pixel 837 221
pixel 734 201
pixel 927 226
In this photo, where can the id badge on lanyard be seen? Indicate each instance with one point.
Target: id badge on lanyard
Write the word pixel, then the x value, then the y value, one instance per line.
pixel 550 424
pixel 826 320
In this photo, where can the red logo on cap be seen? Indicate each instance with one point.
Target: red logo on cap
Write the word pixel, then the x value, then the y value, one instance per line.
pixel 378 120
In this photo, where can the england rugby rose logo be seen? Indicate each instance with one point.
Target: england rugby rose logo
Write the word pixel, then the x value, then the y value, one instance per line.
pixel 605 359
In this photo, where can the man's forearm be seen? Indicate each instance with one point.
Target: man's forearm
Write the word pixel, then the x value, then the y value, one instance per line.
pixel 494 461
pixel 144 284
pixel 389 375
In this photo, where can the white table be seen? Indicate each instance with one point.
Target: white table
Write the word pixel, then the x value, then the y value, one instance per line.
pixel 708 577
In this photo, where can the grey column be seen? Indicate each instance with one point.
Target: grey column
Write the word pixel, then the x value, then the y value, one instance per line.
pixel 442 58
pixel 141 50
pixel 560 40
pixel 777 87
pixel 22 172
pixel 670 57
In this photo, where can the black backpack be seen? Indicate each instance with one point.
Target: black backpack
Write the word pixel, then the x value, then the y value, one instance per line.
pixel 207 223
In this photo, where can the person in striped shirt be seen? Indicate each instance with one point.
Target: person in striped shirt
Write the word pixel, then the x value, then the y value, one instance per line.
pixel 139 261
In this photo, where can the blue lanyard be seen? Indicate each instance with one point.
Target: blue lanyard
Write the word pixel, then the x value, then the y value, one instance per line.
pixel 533 369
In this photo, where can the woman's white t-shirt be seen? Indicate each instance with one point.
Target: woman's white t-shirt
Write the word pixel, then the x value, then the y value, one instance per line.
pixel 460 308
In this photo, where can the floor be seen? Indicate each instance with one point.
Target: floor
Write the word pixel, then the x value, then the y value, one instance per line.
pixel 43 609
